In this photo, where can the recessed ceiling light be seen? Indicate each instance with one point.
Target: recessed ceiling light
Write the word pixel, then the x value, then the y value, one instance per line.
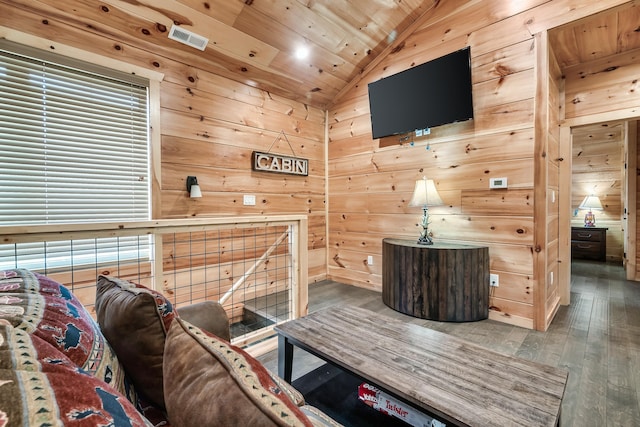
pixel 302 52
pixel 392 36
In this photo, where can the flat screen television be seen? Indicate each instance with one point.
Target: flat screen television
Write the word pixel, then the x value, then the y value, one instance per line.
pixel 427 95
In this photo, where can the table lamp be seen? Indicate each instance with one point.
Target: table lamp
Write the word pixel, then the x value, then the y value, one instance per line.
pixel 590 202
pixel 425 195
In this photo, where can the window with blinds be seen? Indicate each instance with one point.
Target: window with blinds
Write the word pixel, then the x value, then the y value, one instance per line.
pixel 74 147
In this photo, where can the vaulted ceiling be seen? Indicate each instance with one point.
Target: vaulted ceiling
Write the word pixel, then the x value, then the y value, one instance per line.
pixel 595 37
pixel 598 36
pixel 255 41
pixel 251 41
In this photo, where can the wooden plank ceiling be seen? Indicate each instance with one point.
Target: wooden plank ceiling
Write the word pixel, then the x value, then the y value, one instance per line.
pixel 599 36
pixel 603 35
pixel 253 42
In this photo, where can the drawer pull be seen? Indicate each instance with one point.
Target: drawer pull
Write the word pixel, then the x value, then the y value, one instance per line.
pixel 586 235
pixel 587 246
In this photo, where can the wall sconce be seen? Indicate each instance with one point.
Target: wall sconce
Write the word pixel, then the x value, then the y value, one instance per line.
pixel 193 188
pixel 425 195
pixel 590 202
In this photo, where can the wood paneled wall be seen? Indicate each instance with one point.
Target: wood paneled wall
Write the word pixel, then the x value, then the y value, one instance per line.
pixel 210 129
pixel 370 181
pixel 209 126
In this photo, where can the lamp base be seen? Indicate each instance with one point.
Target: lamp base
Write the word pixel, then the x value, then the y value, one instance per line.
pixel 425 240
pixel 589 219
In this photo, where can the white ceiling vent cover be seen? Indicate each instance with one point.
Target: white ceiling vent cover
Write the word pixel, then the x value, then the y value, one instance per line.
pixel 187 37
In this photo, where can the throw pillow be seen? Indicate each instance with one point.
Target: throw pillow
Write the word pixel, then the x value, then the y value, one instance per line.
pixel 135 320
pixel 41 386
pixel 211 382
pixel 47 309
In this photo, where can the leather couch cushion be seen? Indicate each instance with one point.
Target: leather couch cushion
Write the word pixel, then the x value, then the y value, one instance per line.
pixel 207 315
pixel 135 321
pixel 211 382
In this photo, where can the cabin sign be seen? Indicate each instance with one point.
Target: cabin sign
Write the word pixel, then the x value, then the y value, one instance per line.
pixel 268 162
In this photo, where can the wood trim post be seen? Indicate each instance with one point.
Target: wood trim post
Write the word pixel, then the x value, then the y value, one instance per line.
pixel 540 164
pixel 326 194
pixel 631 196
pixel 564 219
pixel 155 158
pixel 157 269
pixel 301 266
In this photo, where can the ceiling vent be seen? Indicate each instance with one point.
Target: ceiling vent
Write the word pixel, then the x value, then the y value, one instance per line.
pixel 187 37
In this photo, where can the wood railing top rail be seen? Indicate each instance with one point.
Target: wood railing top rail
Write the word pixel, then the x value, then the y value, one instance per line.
pixel 39 233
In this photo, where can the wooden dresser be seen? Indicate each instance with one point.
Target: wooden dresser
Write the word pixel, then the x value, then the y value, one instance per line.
pixel 589 243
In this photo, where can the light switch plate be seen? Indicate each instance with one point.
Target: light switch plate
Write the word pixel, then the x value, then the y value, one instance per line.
pixel 249 200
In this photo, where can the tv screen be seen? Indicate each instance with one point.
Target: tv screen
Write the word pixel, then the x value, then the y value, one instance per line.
pixel 428 95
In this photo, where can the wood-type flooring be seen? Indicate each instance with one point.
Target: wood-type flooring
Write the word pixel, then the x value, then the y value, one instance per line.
pixel 596 337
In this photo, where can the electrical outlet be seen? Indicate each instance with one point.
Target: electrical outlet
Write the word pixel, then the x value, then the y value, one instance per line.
pixel 369 260
pixel 494 280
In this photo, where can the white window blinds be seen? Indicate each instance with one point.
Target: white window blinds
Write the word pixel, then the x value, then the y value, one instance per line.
pixel 73 143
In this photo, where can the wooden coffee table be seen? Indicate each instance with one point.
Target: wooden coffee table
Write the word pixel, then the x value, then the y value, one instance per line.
pixel 457 382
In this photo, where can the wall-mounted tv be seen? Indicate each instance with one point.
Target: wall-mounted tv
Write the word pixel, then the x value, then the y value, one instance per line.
pixel 428 95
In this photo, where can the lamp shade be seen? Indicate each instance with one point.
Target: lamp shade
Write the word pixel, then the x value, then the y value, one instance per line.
pixel 195 191
pixel 591 202
pixel 193 188
pixel 425 194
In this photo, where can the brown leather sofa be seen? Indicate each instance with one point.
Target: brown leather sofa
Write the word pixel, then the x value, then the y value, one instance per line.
pixel 142 363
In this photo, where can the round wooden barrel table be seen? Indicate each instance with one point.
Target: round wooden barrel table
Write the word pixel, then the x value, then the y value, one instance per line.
pixel 443 281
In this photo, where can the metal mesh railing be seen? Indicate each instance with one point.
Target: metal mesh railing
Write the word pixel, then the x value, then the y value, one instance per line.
pixel 255 268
